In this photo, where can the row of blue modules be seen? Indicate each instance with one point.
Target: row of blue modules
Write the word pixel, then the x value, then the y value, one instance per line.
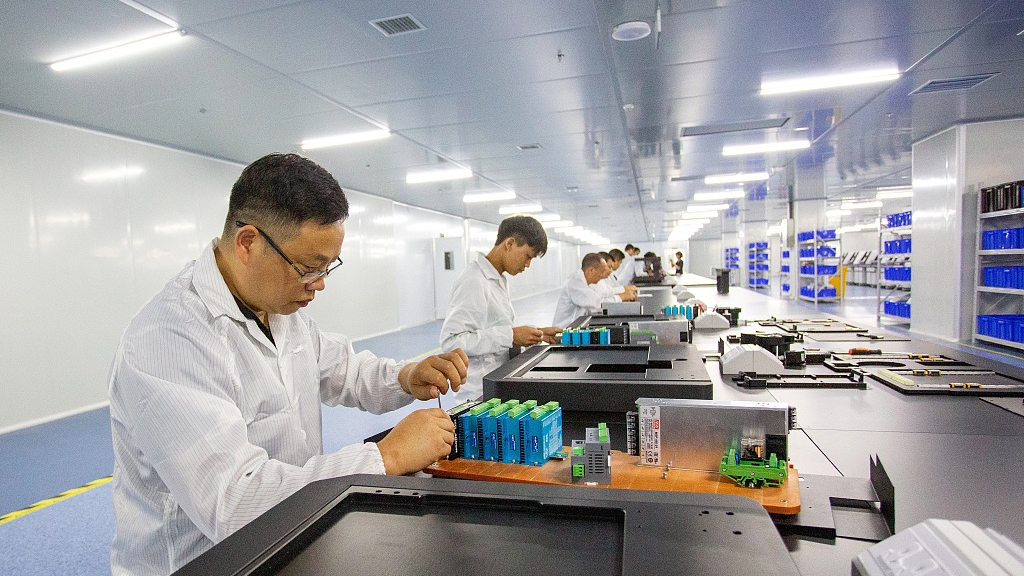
pixel 758 246
pixel 1002 326
pixel 897 273
pixel 757 267
pixel 1003 239
pixel 899 246
pixel 757 282
pixel 901 309
pixel 510 431
pixel 827 292
pixel 821 234
pixel 823 270
pixel 685 311
pixel 899 220
pixel 1003 276
pixel 585 336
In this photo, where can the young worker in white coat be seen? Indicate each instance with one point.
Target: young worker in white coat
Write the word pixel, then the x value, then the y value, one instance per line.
pixel 217 384
pixel 480 319
pixel 610 286
pixel 580 293
pixel 627 269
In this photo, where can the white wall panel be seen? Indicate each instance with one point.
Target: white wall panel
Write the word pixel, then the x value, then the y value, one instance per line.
pixel 703 256
pixel 84 256
pixel 414 232
pixel 938 180
pixel 361 299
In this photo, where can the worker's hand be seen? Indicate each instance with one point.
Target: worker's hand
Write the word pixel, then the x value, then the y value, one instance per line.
pixel 551 334
pixel 434 375
pixel 526 336
pixel 629 293
pixel 417 441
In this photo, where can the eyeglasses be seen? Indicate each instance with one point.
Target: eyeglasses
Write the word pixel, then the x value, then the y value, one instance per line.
pixel 304 277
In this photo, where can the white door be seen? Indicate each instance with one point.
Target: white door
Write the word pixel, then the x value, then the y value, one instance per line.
pixel 449 261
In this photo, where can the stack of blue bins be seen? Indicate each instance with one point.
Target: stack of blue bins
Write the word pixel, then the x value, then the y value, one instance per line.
pixel 901 309
pixel 1003 239
pixel 1003 277
pixel 899 220
pixel 1003 326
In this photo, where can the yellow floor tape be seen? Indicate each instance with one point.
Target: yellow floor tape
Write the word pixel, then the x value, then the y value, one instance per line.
pixel 51 501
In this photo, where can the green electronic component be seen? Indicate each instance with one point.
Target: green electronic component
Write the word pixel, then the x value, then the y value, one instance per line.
pixel 754 472
pixel 484 406
pixel 578 470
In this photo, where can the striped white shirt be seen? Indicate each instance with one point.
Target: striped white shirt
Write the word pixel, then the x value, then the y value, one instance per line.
pixel 213 424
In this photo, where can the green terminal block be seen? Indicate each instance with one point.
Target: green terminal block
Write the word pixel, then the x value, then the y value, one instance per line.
pixel 754 472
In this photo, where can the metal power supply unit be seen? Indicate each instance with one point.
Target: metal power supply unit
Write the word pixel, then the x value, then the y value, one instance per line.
pixel 693 434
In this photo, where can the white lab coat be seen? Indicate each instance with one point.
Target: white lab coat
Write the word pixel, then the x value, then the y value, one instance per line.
pixel 213 424
pixel 578 298
pixel 479 320
pixel 627 270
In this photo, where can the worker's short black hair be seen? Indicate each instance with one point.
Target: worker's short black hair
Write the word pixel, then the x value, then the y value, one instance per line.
pixel 605 255
pixel 280 192
pixel 617 254
pixel 591 260
pixel 649 255
pixel 630 248
pixel 525 230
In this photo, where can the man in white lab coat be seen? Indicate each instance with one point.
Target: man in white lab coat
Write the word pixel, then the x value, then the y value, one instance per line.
pixel 610 286
pixel 580 294
pixel 627 269
pixel 480 319
pixel 217 384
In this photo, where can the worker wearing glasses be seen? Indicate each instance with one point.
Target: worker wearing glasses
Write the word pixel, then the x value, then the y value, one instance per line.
pixel 217 384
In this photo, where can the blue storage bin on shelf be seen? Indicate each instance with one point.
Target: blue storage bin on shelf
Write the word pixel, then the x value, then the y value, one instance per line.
pixel 827 234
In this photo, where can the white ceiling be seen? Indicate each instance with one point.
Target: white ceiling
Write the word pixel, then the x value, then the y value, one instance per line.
pixel 483 77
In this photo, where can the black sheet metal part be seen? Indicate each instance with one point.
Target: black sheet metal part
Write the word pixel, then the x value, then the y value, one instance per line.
pixel 935 374
pixel 412 525
pixel 810 326
pixel 839 507
pixel 602 378
pixel 859 338
pixel 847 380
pixel 604 320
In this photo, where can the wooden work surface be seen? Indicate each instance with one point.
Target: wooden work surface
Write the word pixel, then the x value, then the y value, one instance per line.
pixel 626 474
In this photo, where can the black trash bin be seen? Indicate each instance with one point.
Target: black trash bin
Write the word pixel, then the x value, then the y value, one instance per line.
pixel 722 277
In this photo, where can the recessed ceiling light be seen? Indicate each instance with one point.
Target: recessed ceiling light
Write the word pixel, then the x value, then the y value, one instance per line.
pixel 492 196
pixel 547 217
pixel 531 146
pixel 112 174
pixel 860 205
pixel 520 209
pixel 723 195
pixel 698 215
pixel 437 174
pixel 736 178
pixel 738 150
pixel 632 30
pixel 342 139
pixel 706 207
pixel 830 81
pixel 122 51
pixel 891 194
pixel 557 224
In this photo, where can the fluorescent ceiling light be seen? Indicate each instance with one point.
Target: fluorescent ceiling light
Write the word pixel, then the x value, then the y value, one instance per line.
pixel 830 81
pixel 547 217
pixel 557 224
pixel 894 194
pixel 122 51
pixel 738 150
pixel 493 196
pixel 437 174
pixel 698 215
pixel 342 139
pixel 736 178
pixel 723 195
pixel 861 205
pixel 520 209
pixel 706 207
pixel 893 188
pixel 112 174
pixel 694 223
pixel 837 213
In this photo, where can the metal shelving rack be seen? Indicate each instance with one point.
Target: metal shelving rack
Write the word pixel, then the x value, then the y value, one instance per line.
pixel 999 270
pixel 892 278
pixel 817 249
pixel 758 268
pixel 785 275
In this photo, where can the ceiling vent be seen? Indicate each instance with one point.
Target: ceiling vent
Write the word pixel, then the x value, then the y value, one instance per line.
pixel 395 25
pixel 733 127
pixel 533 146
pixel 947 84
